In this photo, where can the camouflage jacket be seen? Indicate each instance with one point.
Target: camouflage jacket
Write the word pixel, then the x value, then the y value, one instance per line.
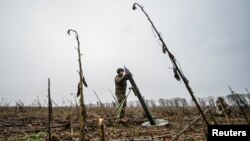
pixel 221 104
pixel 120 85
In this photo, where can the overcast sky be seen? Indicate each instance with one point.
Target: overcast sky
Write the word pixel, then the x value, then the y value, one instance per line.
pixel 210 39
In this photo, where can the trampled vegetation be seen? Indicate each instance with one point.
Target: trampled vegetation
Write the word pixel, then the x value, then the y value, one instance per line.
pixel 31 122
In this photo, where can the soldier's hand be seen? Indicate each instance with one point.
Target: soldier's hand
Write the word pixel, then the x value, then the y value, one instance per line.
pixel 127 73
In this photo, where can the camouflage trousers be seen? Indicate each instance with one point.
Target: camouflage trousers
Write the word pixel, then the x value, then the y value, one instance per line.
pixel 120 98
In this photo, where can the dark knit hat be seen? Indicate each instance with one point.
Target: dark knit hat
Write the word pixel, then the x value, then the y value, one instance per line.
pixel 119 70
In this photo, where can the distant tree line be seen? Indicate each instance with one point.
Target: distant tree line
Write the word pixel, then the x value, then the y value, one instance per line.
pixel 244 99
pixel 182 102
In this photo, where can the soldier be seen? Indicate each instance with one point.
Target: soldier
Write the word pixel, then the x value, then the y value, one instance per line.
pixel 222 107
pixel 120 89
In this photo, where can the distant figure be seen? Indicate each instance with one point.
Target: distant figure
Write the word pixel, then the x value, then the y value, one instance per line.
pixel 120 89
pixel 222 107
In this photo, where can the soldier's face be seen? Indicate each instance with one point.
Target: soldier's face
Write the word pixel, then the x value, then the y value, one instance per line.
pixel 121 73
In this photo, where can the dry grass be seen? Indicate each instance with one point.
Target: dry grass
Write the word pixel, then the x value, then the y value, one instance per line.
pixel 15 123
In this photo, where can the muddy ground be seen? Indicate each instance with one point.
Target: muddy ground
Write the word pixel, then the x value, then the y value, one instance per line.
pixel 19 124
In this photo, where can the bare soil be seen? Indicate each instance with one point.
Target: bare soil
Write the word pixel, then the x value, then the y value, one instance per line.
pixel 18 123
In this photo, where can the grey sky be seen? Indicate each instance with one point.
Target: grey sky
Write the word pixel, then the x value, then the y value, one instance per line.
pixel 210 39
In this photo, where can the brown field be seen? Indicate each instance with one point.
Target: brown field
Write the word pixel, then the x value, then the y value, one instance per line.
pixel 16 123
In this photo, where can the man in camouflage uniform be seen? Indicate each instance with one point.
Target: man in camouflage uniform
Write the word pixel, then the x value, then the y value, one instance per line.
pixel 120 89
pixel 222 107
